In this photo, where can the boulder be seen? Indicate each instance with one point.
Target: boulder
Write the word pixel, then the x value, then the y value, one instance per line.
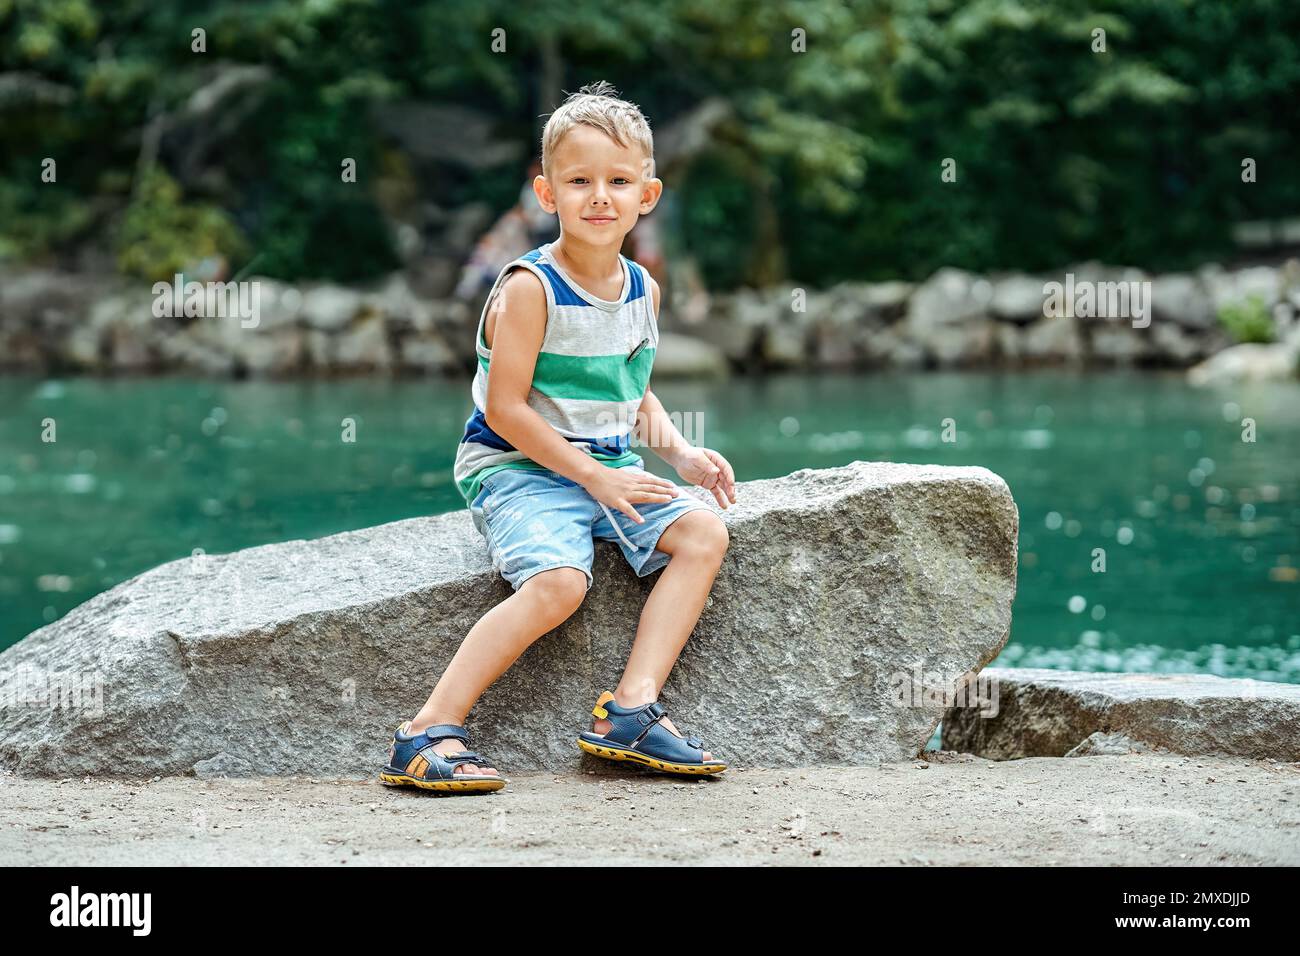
pixel 946 318
pixel 364 346
pixel 1250 362
pixel 1233 288
pixel 685 356
pixel 1047 340
pixel 1018 298
pixel 880 302
pixel 427 353
pixel 1182 299
pixel 1176 345
pixel 330 308
pixel 302 657
pixel 1116 342
pixel 784 344
pixel 1049 713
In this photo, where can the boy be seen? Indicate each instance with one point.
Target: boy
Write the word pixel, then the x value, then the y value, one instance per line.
pixel 565 344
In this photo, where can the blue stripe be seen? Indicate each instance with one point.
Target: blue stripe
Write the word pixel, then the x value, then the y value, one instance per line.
pixel 563 294
pixel 638 287
pixel 611 445
pixel 477 431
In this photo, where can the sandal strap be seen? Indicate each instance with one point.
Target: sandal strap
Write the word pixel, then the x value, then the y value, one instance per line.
pixel 658 741
pixel 450 761
pixel 651 713
pixel 647 717
pixel 442 731
pixel 461 756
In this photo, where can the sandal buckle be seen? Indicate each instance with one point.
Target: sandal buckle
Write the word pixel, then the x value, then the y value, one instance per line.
pixel 650 713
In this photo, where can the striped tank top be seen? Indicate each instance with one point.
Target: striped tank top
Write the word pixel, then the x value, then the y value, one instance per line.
pixel 583 384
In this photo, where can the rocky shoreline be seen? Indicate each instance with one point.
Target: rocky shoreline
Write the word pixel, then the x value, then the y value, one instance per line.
pixel 58 323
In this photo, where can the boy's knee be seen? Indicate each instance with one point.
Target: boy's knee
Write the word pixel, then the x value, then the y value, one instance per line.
pixel 706 535
pixel 560 589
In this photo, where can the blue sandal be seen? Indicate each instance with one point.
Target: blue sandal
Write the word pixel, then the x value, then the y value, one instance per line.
pixel 637 735
pixel 412 761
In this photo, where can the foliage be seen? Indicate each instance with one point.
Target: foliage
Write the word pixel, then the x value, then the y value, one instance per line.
pixel 162 235
pixel 1248 321
pixel 1062 154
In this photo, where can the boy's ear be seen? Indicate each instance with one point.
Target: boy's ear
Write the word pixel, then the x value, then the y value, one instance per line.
pixel 650 193
pixel 545 196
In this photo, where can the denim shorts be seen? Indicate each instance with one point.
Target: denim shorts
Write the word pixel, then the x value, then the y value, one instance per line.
pixel 535 520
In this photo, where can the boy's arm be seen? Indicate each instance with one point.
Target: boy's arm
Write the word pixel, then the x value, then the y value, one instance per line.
pixel 653 426
pixel 657 431
pixel 517 338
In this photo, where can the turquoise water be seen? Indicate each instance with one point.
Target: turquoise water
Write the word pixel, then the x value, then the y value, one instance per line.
pixel 1201 530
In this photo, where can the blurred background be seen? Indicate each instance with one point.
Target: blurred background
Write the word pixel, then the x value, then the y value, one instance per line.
pixel 911 172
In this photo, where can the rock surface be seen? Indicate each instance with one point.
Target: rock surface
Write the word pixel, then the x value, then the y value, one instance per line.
pixel 1141 809
pixel 1250 362
pixel 1049 713
pixel 302 657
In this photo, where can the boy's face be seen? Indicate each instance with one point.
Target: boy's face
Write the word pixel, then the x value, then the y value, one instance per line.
pixel 598 188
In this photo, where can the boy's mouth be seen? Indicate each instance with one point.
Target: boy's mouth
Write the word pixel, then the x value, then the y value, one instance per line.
pixel 599 220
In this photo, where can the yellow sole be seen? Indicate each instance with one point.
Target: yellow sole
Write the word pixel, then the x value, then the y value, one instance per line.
pixel 486 785
pixel 613 753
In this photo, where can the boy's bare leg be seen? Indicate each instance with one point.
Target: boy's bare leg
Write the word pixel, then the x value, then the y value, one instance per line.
pixel 542 603
pixel 697 542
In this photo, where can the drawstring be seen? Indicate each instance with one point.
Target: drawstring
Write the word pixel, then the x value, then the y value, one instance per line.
pixel 617 529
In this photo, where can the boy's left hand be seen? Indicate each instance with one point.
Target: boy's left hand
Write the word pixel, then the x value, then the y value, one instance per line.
pixel 708 469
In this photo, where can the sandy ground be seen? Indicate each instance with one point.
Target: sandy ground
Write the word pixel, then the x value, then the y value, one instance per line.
pixel 1140 809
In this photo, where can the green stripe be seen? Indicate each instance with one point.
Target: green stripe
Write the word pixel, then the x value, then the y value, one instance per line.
pixel 471 486
pixel 601 378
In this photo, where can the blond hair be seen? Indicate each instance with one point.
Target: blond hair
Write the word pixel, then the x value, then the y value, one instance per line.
pixel 598 105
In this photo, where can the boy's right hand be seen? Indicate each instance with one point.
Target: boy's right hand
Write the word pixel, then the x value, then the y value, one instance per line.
pixel 621 488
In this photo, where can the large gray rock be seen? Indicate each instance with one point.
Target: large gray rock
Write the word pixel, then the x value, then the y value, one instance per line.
pixel 1053 339
pixel 1018 298
pixel 684 356
pixel 302 657
pixel 1049 713
pixel 1249 362
pixel 947 319
pixel 1183 299
pixel 1233 288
